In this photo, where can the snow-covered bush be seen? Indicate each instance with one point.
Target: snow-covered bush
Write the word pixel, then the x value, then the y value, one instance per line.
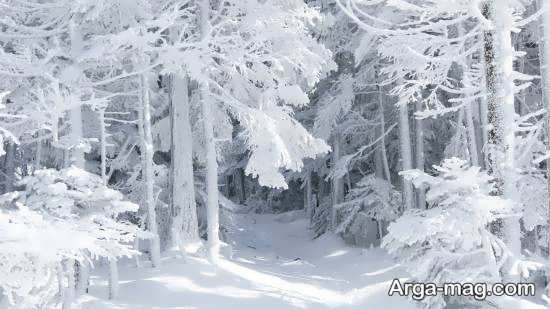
pixel 31 250
pixel 374 199
pixel 58 216
pixel 451 241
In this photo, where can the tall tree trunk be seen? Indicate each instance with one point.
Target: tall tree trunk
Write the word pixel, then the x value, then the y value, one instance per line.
pixel 69 290
pixel 544 56
pixel 60 273
pixel 9 166
pixel 113 267
pixel 77 159
pixel 499 65
pixel 239 178
pixel 38 153
pixel 406 154
pixel 380 226
pixel 484 125
pixel 383 152
pixel 82 277
pixel 472 139
pixel 379 130
pixel 468 110
pixel 337 185
pixel 212 203
pixel 308 195
pixel 482 108
pixel 113 279
pixel 469 117
pixel 185 224
pixel 103 146
pixel 147 168
pixel 421 190
pixel 76 155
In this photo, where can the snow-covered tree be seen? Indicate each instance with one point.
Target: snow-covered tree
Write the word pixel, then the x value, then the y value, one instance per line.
pixel 78 214
pixel 451 241
pixel 374 199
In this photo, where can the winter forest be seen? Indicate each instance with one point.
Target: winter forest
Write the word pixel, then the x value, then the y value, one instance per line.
pixel 273 153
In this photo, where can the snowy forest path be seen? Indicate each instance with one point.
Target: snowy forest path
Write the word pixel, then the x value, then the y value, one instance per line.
pixel 275 264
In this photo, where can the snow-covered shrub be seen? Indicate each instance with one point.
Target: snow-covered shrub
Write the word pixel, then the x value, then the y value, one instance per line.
pixel 533 185
pixel 373 199
pixel 451 241
pixel 57 216
pixel 534 198
pixel 31 248
pixel 73 194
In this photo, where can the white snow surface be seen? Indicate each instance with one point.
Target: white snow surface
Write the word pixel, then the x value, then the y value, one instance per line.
pixel 275 264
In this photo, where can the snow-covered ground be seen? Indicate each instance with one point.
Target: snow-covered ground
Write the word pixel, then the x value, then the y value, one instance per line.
pixel 275 264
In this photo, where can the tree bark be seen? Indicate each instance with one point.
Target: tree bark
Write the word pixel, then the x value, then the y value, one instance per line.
pixel 77 153
pixel 383 151
pixel 472 139
pixel 308 195
pixel 406 154
pixel 69 290
pixel 113 266
pixel 103 146
pixel 77 159
pixel 9 166
pixel 83 277
pixel 147 168
pixel 240 184
pixel 185 224
pixel 113 279
pixel 469 116
pixel 38 154
pixel 544 56
pixel 499 65
pixel 212 203
pixel 337 185
pixel 421 190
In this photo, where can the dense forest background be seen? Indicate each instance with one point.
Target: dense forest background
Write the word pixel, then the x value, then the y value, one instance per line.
pixel 418 126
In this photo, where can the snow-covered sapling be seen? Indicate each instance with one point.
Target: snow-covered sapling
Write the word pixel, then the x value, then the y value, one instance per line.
pixel 451 240
pixel 57 218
